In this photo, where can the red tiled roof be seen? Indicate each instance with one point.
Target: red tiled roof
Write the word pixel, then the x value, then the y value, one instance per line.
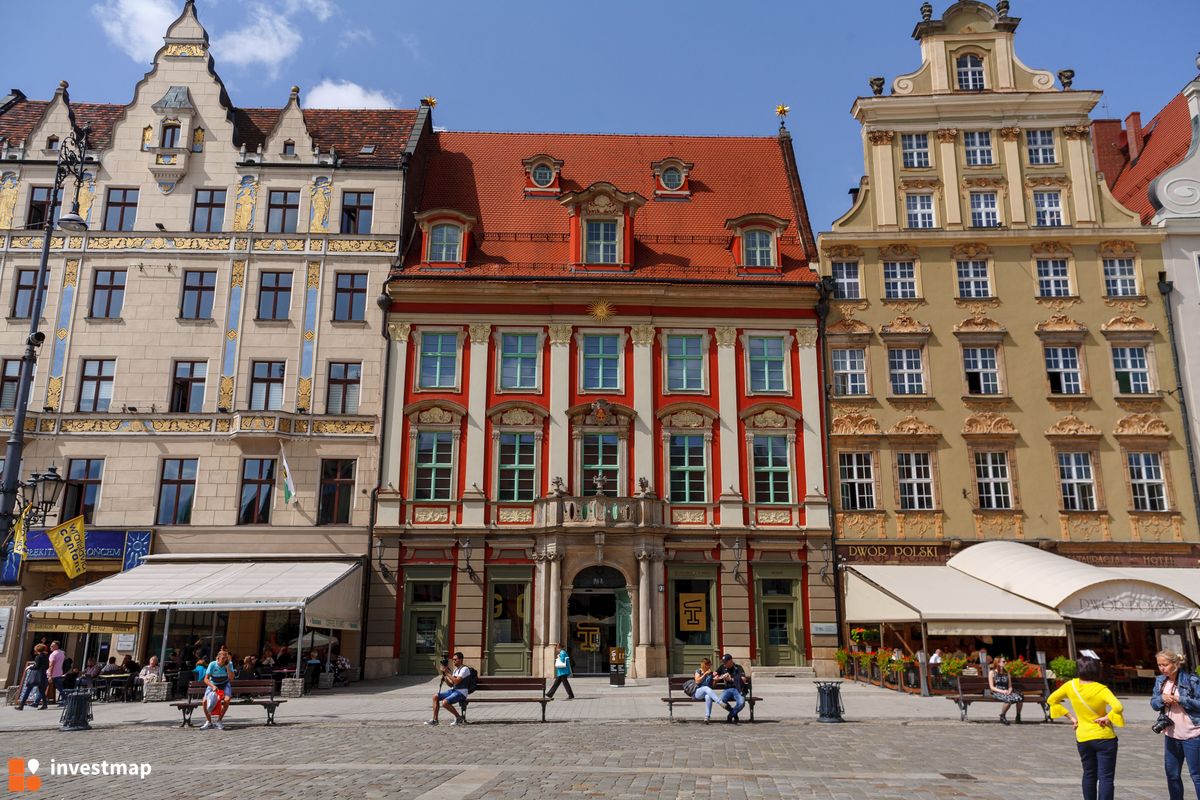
pixel 1166 141
pixel 481 174
pixel 344 130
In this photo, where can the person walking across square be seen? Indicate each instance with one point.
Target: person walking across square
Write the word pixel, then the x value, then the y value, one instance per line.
pixel 562 673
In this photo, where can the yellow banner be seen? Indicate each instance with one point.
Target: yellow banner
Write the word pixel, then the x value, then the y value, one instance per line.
pixel 19 534
pixel 68 541
pixel 693 612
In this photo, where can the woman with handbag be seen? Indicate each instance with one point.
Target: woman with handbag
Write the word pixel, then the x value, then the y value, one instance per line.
pixel 1096 712
pixel 35 679
pixel 1176 698
pixel 704 688
pixel 562 672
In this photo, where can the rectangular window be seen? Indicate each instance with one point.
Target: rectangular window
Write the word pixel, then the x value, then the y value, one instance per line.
pixel 518 360
pixel 1054 277
pixel 176 491
pixel 258 484
pixel 23 294
pixel 108 294
pixel 341 395
pixel 1132 370
pixel 82 491
pixel 920 210
pixel 208 212
pixel 1076 482
pixel 846 285
pixel 983 373
pixel 600 361
pixel 199 290
pixel 266 385
pixel 1146 482
pixel 601 464
pixel 350 297
pixel 1062 370
pixel 973 281
pixel 914 150
pixel 856 479
pixel 187 387
pixel 984 210
pixel 849 371
pixel 41 209
pixel 9 380
pixel 978 147
pixel 274 295
pixel 283 209
pixel 337 491
pixel 1040 145
pixel 518 453
pixel 766 364
pixel 601 241
pixel 357 208
pixel 687 471
pixel 685 362
pixel 1120 277
pixel 95 388
pixel 120 212
pixel 757 246
pixel 444 241
pixel 434 467
pixel 992 481
pixel 1047 208
pixel 772 470
pixel 899 280
pixel 905 370
pixel 439 359
pixel 914 476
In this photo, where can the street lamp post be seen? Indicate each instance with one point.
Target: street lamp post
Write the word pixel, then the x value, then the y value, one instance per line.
pixel 44 488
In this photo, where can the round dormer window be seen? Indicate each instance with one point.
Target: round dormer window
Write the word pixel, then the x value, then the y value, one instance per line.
pixel 542 175
pixel 672 178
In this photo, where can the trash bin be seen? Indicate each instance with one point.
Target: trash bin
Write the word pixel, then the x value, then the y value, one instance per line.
pixel 616 666
pixel 829 701
pixel 77 710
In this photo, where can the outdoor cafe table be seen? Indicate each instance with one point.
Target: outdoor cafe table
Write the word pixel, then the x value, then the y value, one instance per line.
pixel 104 683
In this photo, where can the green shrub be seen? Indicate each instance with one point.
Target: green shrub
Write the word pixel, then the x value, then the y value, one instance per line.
pixel 1063 667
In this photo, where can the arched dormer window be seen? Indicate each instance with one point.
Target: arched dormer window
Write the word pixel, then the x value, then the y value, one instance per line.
pixel 602 226
pixel 542 175
pixel 671 178
pixel 970 73
pixel 170 135
pixel 757 248
pixel 446 236
pixel 756 241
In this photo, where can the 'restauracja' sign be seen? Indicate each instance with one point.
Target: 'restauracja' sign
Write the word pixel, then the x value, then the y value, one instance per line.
pixel 894 553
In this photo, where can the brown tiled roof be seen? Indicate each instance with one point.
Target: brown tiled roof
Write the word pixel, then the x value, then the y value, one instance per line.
pixel 1166 141
pixel 481 175
pixel 18 122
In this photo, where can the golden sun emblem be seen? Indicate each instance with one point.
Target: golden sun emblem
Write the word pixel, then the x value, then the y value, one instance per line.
pixel 782 111
pixel 601 310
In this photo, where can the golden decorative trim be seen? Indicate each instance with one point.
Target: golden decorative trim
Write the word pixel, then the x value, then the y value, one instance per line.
pixel 202 243
pixel 1128 323
pixel 688 516
pixel 849 327
pixel 256 423
pixel 314 274
pixel 181 425
pixel 289 245
pixel 399 331
pixel 904 325
pixel 861 524
pixel 1155 526
pixel 54 392
pixel 90 425
pixel 913 426
pixel 362 246
pixel 225 392
pixel 1084 526
pixel 1060 323
pixel 855 424
pixel 988 423
pixel 601 310
pixel 71 274
pixel 1141 425
pixel 343 426
pixel 431 515
pixel 773 516
pixel 515 515
pixel 1048 181
pixel 919 184
pixel 920 525
pixel 979 324
pixel 304 394
pixel 239 274
pixel 184 51
pixel 223 425
pixel 991 525
pixel 969 251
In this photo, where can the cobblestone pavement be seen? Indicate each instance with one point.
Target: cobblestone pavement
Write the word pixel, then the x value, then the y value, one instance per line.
pixel 610 743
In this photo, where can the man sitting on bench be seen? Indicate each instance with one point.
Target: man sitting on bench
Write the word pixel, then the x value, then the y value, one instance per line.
pixel 733 678
pixel 456 678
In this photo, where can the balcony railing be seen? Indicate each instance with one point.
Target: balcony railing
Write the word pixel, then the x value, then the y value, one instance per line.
pixel 563 511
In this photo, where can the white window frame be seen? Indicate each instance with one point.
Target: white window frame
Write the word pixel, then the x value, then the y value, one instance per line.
pixel 1045 213
pixel 418 337
pixel 706 433
pixel 908 475
pixel 1121 275
pixel 970 76
pixel 787 346
pixel 920 210
pixel 664 337
pixel 900 365
pixel 844 281
pixel 414 446
pixel 856 461
pixel 772 261
pixel 1123 360
pixel 849 373
pixel 433 229
pixel 985 210
pixel 900 282
pixel 1039 151
pixel 977 149
pixel 1050 282
pixel 1143 476
pixel 914 150
pixel 536 432
pixel 1077 480
pixel 789 437
pixel 974 354
pixel 622 338
pixel 616 243
pixel 498 339
pixel 971 277
pixel 1057 358
pixel 993 474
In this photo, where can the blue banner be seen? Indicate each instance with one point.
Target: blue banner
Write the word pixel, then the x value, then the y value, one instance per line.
pixel 130 547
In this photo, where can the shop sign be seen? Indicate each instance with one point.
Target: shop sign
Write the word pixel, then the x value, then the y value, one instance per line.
pixel 894 553
pixel 1123 601
pixel 1164 560
pixel 693 611
pixel 129 547
pixel 824 628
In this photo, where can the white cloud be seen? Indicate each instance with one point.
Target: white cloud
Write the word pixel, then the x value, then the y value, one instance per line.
pixel 321 9
pixel 136 26
pixel 346 94
pixel 410 43
pixel 269 41
pixel 356 36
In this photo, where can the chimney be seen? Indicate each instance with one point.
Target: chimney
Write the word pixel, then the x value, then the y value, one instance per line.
pixel 1133 131
pixel 1108 142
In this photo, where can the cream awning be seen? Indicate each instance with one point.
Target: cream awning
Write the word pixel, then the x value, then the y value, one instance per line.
pixel 329 591
pixel 1073 588
pixel 1180 579
pixel 949 602
pixel 112 622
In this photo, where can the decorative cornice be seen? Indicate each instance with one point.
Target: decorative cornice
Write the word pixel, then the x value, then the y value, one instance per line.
pixel 1127 323
pixel 970 251
pixel 849 327
pixel 1073 427
pixel 880 137
pixel 726 337
pixel 947 135
pixel 1137 425
pixel 1060 324
pixel 919 185
pixel 1051 249
pixel 1010 134
pixel 904 325
pixel 979 324
pixel 843 252
pixel 988 423
pixel 1076 132
pixel 913 426
pixel 898 252
pixel 1118 248
pixel 856 424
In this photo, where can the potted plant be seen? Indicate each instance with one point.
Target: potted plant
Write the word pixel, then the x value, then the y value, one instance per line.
pixel 843 660
pixel 883 660
pixel 864 665
pixel 952 667
pixel 863 636
pixel 1063 669
pixel 1020 668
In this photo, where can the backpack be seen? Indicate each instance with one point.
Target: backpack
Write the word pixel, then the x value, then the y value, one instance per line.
pixel 689 687
pixel 471 680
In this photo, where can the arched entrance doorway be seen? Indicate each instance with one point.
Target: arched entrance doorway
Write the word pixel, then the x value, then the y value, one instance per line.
pixel 599 616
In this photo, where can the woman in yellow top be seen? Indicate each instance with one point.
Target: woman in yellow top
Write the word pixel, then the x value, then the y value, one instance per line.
pixel 1096 711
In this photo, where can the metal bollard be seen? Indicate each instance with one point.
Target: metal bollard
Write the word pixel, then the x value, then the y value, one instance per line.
pixel 829 701
pixel 77 711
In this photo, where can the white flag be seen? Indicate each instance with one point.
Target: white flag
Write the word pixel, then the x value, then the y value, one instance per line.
pixel 289 488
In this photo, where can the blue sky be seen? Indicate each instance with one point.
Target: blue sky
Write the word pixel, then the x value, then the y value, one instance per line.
pixel 654 66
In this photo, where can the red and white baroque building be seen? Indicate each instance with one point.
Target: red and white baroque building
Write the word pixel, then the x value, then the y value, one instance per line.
pixel 605 426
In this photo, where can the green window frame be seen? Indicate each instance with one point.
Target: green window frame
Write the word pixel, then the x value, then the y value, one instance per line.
pixel 434 466
pixel 601 456
pixel 685 362
pixel 772 470
pixel 766 354
pixel 439 360
pixel 518 360
pixel 601 361
pixel 517 465
pixel 688 469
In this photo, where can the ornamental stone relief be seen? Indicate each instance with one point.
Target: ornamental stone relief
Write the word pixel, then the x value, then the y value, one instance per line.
pixel 769 419
pixel 516 515
pixel 1077 132
pixel 843 252
pixel 431 515
pixel 905 325
pixel 979 324
pixel 1128 323
pixel 1010 134
pixel 849 327
pixel 1160 527
pixel 855 424
pixel 1051 249
pixel 517 416
pixel 1084 527
pixel 726 337
pixel 988 423
pixel 920 525
pixel 642 335
pixel 399 331
pixel 1141 425
pixel 362 246
pixel 947 135
pixel 687 419
pixel 991 525
pixel 857 525
pixel 806 337
pixel 913 426
pixel 1072 425
pixel 777 516
pixel 560 334
pixel 970 250
pixel 1060 323
pixel 897 252
pixel 435 416
pixel 880 137
pixel 479 332
pixel 1118 248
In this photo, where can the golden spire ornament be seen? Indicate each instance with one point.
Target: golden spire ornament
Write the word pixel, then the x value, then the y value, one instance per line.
pixel 781 111
pixel 429 100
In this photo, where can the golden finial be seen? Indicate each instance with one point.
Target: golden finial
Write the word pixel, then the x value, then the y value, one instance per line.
pixel 781 110
pixel 601 310
pixel 429 100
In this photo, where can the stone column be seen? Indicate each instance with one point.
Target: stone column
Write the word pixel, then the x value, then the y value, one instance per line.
pixel 816 501
pixel 1011 138
pixel 556 633
pixel 643 402
pixel 643 559
pixel 948 161
pixel 560 382
pixel 1079 156
pixel 474 498
pixel 393 443
pixel 729 488
pixel 884 176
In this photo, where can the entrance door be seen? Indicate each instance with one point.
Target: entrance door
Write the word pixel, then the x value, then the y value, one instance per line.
pixel 778 650
pixel 692 622
pixel 780 631
pixel 425 631
pixel 594 619
pixel 425 646
pixel 508 630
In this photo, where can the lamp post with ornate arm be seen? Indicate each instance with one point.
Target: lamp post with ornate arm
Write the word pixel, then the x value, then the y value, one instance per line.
pixel 43 489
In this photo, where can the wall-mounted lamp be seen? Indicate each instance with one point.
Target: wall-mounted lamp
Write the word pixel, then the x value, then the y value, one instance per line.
pixel 737 556
pixel 465 545
pixel 380 564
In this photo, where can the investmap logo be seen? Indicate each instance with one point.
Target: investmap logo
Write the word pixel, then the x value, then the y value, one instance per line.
pixel 22 775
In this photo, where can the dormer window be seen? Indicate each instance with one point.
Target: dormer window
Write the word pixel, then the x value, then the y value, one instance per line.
pixel 446 236
pixel 970 73
pixel 542 175
pixel 445 240
pixel 52 143
pixel 602 226
pixel 757 249
pixel 601 241
pixel 671 178
pixel 170 135
pixel 289 148
pixel 367 150
pixel 756 241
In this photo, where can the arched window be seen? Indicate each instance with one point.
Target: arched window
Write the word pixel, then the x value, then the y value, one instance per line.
pixel 542 175
pixel 444 242
pixel 757 246
pixel 672 178
pixel 170 135
pixel 970 73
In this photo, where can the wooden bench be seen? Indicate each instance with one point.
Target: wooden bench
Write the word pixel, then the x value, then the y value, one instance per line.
pixel 675 694
pixel 248 692
pixel 974 689
pixel 492 683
